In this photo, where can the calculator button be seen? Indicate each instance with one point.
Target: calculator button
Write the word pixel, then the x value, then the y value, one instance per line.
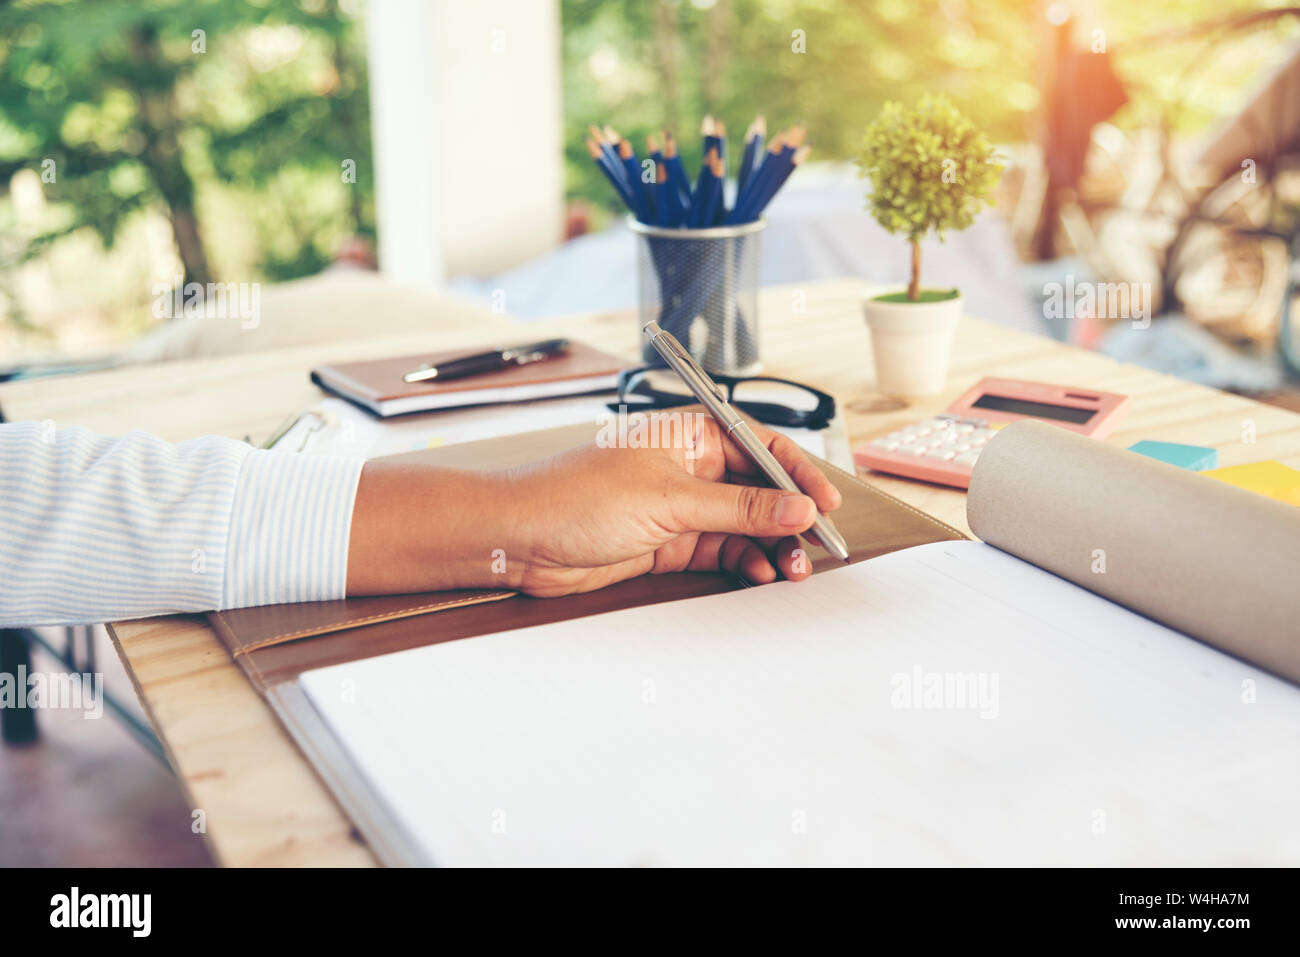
pixel 944 454
pixel 967 458
pixel 964 428
pixel 913 449
pixel 961 447
pixel 887 444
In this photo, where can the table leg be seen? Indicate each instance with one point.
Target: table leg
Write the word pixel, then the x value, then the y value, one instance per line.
pixel 17 721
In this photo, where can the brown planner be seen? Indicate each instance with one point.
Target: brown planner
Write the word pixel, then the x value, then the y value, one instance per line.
pixel 276 643
pixel 377 384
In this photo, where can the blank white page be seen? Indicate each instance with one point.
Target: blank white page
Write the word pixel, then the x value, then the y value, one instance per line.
pixel 948 704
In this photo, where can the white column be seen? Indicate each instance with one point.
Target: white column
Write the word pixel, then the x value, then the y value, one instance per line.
pixel 404 131
pixel 466 120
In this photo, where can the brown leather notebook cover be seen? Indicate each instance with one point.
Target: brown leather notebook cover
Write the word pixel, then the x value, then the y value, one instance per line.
pixel 377 384
pixel 276 643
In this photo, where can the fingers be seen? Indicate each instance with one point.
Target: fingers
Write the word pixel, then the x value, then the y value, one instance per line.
pixel 793 459
pixel 757 562
pixel 701 506
pixel 792 559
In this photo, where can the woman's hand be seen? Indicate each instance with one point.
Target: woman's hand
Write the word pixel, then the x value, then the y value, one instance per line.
pixel 589 517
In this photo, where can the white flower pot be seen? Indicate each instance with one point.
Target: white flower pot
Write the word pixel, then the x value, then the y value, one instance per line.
pixel 912 343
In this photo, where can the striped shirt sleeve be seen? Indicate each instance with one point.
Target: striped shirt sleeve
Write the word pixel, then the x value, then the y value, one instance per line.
pixel 99 529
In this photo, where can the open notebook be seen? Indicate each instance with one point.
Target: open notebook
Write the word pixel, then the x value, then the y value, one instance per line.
pixel 945 704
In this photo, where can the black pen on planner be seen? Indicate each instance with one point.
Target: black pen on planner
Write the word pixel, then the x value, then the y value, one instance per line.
pixel 490 361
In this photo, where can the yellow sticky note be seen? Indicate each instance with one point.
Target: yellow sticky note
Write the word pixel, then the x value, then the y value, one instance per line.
pixel 1267 478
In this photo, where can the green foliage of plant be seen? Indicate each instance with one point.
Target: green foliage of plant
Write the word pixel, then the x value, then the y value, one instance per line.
pixel 927 295
pixel 930 168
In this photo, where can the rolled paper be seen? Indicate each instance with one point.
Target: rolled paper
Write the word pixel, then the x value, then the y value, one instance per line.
pixel 1213 561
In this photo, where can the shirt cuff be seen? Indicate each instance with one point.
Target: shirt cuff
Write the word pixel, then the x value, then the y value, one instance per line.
pixel 289 528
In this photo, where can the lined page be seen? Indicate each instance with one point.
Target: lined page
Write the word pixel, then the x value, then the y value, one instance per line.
pixel 948 704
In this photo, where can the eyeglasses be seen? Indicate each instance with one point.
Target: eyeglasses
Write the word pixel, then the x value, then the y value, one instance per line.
pixel 771 401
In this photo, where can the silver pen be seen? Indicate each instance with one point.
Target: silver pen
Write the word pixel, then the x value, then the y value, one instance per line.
pixel 714 399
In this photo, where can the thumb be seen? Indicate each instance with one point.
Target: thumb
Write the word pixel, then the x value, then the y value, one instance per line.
pixel 742 510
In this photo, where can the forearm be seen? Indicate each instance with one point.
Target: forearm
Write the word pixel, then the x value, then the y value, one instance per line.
pixel 418 528
pixel 94 528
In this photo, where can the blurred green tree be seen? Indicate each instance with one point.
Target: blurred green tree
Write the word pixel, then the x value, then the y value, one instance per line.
pixel 832 64
pixel 123 106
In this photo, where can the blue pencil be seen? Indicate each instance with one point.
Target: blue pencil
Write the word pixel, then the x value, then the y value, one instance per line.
pixel 612 173
pixel 774 186
pixel 640 195
pixel 607 150
pixel 708 139
pixel 676 171
pixel 702 199
pixel 776 168
pixel 706 171
pixel 754 137
pixel 718 202
pixel 757 180
pixel 663 215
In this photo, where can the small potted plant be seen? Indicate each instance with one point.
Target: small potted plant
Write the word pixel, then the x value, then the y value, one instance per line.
pixel 931 170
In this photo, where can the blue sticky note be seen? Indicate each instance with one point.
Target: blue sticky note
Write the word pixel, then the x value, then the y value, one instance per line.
pixel 1197 458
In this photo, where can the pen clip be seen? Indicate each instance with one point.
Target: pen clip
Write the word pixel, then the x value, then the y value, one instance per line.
pixel 522 359
pixel 670 342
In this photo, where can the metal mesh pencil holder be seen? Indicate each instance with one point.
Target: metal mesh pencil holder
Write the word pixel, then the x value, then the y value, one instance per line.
pixel 702 286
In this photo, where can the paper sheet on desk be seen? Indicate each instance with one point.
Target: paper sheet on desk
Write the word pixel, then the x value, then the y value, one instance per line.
pixel 944 705
pixel 337 427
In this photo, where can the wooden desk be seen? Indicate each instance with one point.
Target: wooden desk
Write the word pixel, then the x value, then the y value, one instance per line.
pixel 263 803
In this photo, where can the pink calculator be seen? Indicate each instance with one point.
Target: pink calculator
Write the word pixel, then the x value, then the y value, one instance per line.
pixel 944 448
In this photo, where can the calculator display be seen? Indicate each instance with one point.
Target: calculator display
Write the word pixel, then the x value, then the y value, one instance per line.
pixel 1037 410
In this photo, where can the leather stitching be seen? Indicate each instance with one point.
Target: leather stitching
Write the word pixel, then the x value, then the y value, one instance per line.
pixel 897 501
pixel 371 619
pixel 437 606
